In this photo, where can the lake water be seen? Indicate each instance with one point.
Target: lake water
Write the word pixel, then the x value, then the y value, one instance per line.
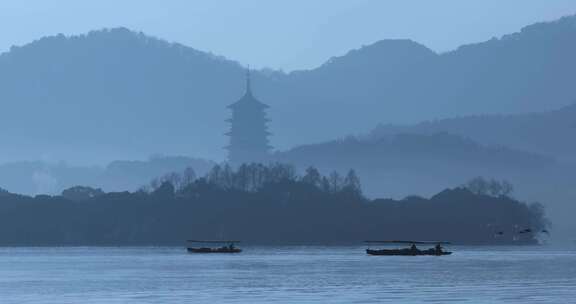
pixel 286 275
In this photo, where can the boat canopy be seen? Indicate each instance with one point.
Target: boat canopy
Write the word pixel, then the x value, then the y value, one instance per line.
pixel 213 241
pixel 409 242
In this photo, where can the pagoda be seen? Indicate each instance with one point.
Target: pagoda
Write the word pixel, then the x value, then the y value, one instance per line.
pixel 248 132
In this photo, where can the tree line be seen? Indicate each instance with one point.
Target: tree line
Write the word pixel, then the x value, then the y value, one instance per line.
pixel 261 203
pixel 254 177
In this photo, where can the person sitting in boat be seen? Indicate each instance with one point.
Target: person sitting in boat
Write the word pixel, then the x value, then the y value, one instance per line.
pixel 438 249
pixel 413 248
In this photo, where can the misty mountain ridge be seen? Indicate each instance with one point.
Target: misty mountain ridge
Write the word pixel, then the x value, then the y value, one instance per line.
pixel 547 133
pixel 404 163
pixel 410 147
pixel 391 51
pixel 115 94
pixel 403 153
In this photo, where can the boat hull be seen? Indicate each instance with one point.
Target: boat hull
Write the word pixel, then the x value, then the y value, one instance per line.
pixel 213 250
pixel 406 252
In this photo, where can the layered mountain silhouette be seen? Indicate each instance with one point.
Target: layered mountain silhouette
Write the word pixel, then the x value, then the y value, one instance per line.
pixel 417 163
pixel 547 133
pixel 119 94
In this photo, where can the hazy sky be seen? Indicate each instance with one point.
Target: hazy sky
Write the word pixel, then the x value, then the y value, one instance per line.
pixel 290 34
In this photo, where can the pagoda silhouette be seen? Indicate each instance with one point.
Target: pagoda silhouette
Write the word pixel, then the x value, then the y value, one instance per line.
pixel 249 131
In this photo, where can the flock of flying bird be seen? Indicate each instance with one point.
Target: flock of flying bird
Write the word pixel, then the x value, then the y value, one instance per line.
pixel 523 231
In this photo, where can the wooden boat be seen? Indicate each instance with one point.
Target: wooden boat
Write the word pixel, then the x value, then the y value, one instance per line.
pixel 411 251
pixel 406 251
pixel 229 248
pixel 223 249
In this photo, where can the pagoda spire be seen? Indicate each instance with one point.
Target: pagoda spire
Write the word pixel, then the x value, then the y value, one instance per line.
pixel 248 81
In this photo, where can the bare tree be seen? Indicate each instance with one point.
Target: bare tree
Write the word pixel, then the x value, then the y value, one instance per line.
pixel 188 177
pixel 335 182
pixel 482 186
pixel 478 185
pixel 312 177
pixel 352 183
pixel 507 188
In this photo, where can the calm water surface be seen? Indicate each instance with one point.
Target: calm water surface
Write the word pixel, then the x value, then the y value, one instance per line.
pixel 286 275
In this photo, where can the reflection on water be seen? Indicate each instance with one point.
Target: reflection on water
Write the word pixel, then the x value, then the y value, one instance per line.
pixel 285 275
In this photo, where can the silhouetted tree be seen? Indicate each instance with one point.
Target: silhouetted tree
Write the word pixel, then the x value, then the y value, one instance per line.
pixel 81 193
pixel 312 177
pixel 325 185
pixel 482 186
pixel 352 184
pixel 506 188
pixel 335 182
pixel 478 185
pixel 188 177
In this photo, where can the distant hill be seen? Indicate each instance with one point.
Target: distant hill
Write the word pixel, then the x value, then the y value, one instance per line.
pixel 115 93
pixel 414 163
pixel 548 133
pixel 37 177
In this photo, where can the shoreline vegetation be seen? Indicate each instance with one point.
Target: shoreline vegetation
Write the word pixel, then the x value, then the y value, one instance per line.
pixel 267 204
